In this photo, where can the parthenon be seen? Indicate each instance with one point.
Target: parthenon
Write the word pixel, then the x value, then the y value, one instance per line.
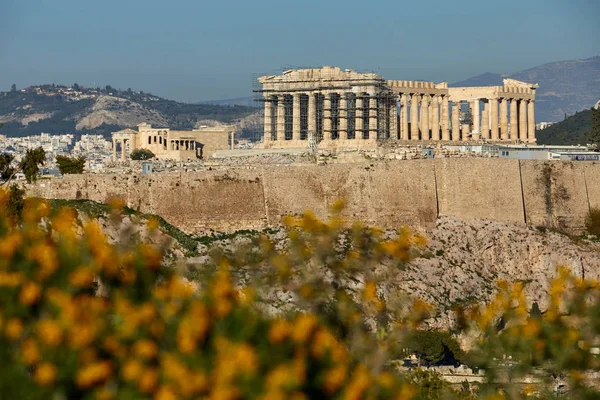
pixel 348 108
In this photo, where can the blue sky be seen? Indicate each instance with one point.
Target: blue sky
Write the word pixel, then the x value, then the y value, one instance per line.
pixel 193 50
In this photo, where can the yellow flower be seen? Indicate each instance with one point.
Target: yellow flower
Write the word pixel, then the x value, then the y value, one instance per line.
pixel 30 293
pixel 245 358
pixel 10 279
pixel 14 328
pixel 279 330
pixel 46 257
pixel 303 327
pixel 45 374
pixel 81 277
pixel 9 244
pixel 531 328
pixel 152 223
pixel 334 378
pixel 30 353
pixel 165 393
pixel 49 332
pixel 370 291
pixel 145 348
pixel 148 380
pixel 92 374
pixel 132 370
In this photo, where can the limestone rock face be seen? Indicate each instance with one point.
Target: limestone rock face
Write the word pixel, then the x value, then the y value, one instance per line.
pixel 118 111
pixel 464 261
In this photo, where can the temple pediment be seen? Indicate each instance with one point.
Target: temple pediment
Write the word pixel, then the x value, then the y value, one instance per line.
pixel 320 74
pixel 515 83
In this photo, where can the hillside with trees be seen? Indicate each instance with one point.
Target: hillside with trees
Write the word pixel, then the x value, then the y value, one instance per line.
pixel 60 109
pixel 572 131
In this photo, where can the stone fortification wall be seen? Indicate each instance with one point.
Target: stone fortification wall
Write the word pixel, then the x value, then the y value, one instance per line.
pixel 388 194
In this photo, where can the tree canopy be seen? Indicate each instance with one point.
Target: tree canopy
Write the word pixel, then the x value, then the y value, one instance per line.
pixel 594 136
pixel 70 165
pixel 6 170
pixel 30 164
pixel 142 154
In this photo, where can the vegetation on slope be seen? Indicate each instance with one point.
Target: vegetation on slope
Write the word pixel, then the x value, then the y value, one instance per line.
pixel 81 318
pixel 572 131
pixel 60 109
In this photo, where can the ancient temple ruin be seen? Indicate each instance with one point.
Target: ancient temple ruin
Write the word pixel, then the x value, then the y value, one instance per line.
pixel 347 108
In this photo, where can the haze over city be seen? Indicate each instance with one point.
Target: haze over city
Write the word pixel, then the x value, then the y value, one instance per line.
pixel 196 51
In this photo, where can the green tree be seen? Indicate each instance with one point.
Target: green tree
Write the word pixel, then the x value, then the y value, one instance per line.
pixel 142 154
pixel 76 87
pixel 70 165
pixel 13 88
pixel 434 347
pixel 30 164
pixel 594 136
pixel 6 170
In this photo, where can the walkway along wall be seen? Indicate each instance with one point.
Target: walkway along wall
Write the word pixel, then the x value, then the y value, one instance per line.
pixel 386 194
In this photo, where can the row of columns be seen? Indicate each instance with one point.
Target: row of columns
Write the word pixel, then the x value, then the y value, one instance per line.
pixel 189 145
pixel 275 109
pixel 123 143
pixel 428 118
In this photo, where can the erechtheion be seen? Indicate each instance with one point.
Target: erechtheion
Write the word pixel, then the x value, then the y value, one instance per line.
pixel 175 145
pixel 348 108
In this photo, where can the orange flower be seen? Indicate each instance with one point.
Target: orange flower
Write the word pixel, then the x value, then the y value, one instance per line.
pixel 145 348
pixel 30 353
pixel 14 328
pixel 303 327
pixel 49 332
pixel 280 329
pixel 30 293
pixel 45 374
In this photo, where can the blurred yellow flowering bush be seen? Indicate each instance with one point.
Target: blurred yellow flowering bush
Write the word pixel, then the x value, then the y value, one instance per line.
pixel 81 318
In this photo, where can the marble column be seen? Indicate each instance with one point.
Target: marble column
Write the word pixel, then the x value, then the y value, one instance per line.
pixel 327 117
pixel 476 119
pixel 445 109
pixel 404 116
pixel 531 121
pixel 494 118
pixel 504 119
pixel 343 117
pixel 268 134
pixel 114 150
pixel 358 120
pixel 312 113
pixel 393 115
pixel 425 117
pixel 523 120
pixel 414 117
pixel 485 121
pixel 373 117
pixel 123 149
pixel 435 117
pixel 280 118
pixel 296 117
pixel 514 120
pixel 456 122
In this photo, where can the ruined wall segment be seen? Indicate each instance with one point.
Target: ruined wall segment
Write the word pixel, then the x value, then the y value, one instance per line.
pixel 479 189
pixel 385 194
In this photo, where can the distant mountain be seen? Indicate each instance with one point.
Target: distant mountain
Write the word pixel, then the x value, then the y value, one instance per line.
pixel 239 101
pixel 573 130
pixel 78 110
pixel 565 86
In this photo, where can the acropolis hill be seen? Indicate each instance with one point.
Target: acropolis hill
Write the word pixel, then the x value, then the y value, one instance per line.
pixel 386 193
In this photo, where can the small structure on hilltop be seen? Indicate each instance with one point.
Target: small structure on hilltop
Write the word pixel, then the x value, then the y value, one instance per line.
pixel 348 109
pixel 170 144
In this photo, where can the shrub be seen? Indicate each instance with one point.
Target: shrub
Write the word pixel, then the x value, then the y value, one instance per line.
pixel 82 318
pixel 70 165
pixel 592 222
pixel 142 154
pixel 30 164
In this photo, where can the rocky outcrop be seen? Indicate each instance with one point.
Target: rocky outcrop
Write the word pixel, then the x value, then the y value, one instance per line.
pixel 118 111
